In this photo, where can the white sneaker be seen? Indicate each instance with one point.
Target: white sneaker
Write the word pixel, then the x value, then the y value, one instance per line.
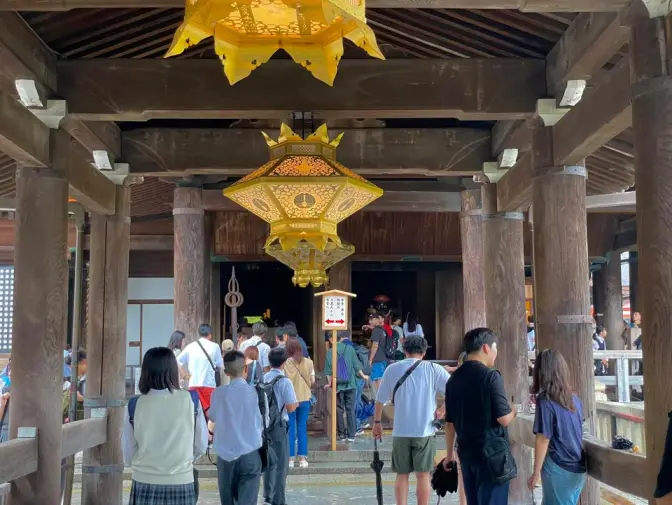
pixel 351 440
pixel 291 463
pixel 303 464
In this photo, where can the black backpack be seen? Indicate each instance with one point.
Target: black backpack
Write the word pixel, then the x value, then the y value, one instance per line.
pixel 390 345
pixel 267 397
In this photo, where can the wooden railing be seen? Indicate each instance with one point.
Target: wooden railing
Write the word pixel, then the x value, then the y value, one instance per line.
pixel 625 471
pixel 18 457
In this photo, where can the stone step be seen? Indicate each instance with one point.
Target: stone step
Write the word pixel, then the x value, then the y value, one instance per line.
pixel 209 471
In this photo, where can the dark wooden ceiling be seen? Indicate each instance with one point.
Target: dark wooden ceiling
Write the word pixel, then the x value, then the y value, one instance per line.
pixel 401 33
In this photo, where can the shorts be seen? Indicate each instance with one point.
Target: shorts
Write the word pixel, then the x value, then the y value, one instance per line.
pixel 412 454
pixel 377 371
pixel 204 394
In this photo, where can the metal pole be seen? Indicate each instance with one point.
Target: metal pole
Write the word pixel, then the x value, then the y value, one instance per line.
pixel 78 214
pixel 334 366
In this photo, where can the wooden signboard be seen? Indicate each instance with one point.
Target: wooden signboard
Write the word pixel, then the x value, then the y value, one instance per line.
pixel 335 317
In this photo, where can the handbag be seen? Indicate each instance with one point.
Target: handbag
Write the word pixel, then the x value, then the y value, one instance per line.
pixel 218 375
pixel 499 466
pixel 313 398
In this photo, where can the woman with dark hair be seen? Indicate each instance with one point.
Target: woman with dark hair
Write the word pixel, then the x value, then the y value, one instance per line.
pixel 255 372
pixel 176 343
pixel 164 431
pixel 301 372
pixel 558 452
pixel 411 327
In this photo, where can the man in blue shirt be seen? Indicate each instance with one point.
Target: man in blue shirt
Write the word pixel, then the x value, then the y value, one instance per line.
pixel 234 411
pixel 275 476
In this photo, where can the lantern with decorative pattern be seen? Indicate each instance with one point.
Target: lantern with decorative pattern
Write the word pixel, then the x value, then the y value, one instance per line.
pixel 303 193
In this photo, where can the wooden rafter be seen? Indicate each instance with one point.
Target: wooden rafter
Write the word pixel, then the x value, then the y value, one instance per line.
pixel 522 5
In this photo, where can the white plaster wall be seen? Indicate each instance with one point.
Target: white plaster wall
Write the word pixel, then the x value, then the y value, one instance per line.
pixel 156 323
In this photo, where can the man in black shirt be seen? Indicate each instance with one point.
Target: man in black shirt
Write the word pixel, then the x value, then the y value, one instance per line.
pixel 473 391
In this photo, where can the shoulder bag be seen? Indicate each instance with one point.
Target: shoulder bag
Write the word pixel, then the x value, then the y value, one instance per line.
pixel 218 375
pixel 404 377
pixel 498 463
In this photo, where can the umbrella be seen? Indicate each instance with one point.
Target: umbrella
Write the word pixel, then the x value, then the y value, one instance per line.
pixel 377 466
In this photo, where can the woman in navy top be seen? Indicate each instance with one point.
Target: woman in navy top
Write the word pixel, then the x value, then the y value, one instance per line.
pixel 559 459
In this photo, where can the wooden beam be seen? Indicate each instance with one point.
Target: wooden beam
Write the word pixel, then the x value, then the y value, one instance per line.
pixel 81 435
pixel 23 55
pixel 596 119
pixel 18 458
pixel 22 136
pixel 615 202
pixel 139 90
pixel 522 5
pixel 95 136
pixel 87 185
pixel 514 190
pixel 369 151
pixel 622 470
pixel 588 44
pixel 391 201
pixel 511 135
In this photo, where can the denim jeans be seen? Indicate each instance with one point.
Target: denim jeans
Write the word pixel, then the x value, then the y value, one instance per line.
pixel 560 487
pixel 480 491
pixel 298 428
pixel 358 401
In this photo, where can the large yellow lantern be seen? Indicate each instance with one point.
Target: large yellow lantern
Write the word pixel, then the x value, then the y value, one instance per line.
pixel 248 32
pixel 303 192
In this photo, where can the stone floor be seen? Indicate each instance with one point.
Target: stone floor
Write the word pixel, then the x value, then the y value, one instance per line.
pixel 312 490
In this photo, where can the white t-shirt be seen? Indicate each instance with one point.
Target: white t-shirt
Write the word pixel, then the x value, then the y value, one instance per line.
pixel 263 349
pixel 194 361
pixel 415 401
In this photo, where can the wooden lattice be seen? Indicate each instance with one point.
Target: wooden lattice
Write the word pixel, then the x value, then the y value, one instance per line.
pixel 6 307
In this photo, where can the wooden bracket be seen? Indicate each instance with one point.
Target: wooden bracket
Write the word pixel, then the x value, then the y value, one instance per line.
pixel 53 114
pixel 549 112
pixel 491 172
pixel 658 8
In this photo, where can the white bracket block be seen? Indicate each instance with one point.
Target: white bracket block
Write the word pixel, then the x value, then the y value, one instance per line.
pixel 120 174
pixel 102 160
pixel 549 113
pixel 26 432
pixel 573 92
pixel 507 158
pixel 28 94
pixel 491 173
pixel 53 114
pixel 658 8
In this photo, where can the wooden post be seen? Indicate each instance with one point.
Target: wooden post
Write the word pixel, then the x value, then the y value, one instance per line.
pixel 473 274
pixel 40 309
pixel 189 274
pixel 334 391
pixel 562 295
pixel 613 303
pixel 652 125
pixel 106 357
pixel 449 313
pixel 504 266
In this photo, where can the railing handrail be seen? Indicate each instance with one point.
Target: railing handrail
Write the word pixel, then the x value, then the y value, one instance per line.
pixel 616 354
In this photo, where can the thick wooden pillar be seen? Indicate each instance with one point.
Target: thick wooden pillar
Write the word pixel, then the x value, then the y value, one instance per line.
pixel 40 318
pixel 189 261
pixel 471 229
pixel 652 124
pixel 106 358
pixel 562 295
pixel 449 313
pixel 504 266
pixel 612 297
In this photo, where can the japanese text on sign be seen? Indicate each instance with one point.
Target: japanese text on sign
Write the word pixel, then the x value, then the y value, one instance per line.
pixel 335 312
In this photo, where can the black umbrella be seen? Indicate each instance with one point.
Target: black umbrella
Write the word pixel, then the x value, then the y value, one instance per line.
pixel 377 466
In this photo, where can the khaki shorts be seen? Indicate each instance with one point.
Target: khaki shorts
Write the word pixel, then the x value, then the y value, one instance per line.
pixel 412 454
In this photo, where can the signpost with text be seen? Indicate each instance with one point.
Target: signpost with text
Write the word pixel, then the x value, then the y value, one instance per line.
pixel 335 317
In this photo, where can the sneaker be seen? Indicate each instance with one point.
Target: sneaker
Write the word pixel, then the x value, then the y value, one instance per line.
pixel 359 432
pixel 303 464
pixel 365 426
pixel 343 440
pixel 291 463
pixel 351 440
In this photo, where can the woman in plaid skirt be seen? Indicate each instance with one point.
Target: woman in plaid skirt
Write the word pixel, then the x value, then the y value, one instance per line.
pixel 164 432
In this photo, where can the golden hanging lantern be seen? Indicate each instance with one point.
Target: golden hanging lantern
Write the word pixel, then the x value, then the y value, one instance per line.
pixel 303 192
pixel 248 32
